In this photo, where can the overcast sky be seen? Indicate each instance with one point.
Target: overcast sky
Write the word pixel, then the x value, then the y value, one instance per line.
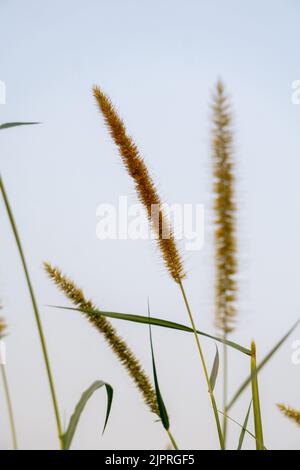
pixel 158 61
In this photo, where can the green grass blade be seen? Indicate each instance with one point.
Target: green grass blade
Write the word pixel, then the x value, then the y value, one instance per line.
pixel 7 125
pixel 157 322
pixel 215 370
pixel 239 424
pixel 110 394
pixel 161 406
pixel 69 434
pixel 262 364
pixel 256 402
pixel 244 428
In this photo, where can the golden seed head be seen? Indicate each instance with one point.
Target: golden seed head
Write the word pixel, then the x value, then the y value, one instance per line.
pixel 68 287
pixel 2 326
pixel 253 348
pixel 225 212
pixel 144 184
pixel 290 413
pixel 116 343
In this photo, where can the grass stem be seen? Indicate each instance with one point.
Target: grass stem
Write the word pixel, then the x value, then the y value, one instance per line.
pixel 9 407
pixel 256 402
pixel 36 311
pixel 213 401
pixel 172 439
pixel 225 388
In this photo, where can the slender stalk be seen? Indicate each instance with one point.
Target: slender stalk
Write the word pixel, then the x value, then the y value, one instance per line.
pixel 256 402
pixel 213 401
pixel 172 439
pixel 225 388
pixel 36 312
pixel 9 407
pixel 225 209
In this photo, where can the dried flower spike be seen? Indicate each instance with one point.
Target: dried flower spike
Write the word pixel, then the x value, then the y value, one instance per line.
pixel 144 185
pixel 290 413
pixel 225 209
pixel 2 326
pixel 117 344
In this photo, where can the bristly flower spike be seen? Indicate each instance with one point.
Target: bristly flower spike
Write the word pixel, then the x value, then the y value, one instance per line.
pixel 117 344
pixel 289 412
pixel 144 185
pixel 225 211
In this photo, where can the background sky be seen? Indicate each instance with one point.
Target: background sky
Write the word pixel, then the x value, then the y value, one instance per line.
pixel 159 62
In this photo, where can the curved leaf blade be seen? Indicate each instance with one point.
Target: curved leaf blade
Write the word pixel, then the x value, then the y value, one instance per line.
pixel 69 434
pixel 161 406
pixel 7 125
pixel 239 424
pixel 215 369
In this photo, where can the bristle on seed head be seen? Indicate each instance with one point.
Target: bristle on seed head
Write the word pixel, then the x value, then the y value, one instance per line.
pixel 225 211
pixel 144 185
pixel 116 343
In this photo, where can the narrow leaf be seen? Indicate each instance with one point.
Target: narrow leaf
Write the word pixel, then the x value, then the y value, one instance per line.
pixel 157 322
pixel 110 394
pixel 239 424
pixel 262 364
pixel 161 406
pixel 256 403
pixel 7 125
pixel 215 370
pixel 244 429
pixel 69 434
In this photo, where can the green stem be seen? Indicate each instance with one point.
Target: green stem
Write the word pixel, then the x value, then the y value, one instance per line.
pixel 172 439
pixel 225 389
pixel 213 401
pixel 9 407
pixel 256 402
pixel 36 312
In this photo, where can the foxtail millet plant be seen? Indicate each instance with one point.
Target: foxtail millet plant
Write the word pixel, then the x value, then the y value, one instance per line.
pixel 225 225
pixel 289 412
pixel 144 186
pixel 117 344
pixel 161 226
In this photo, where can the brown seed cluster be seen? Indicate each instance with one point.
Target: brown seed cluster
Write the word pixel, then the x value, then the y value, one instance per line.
pixel 144 185
pixel 117 344
pixel 2 326
pixel 290 413
pixel 225 211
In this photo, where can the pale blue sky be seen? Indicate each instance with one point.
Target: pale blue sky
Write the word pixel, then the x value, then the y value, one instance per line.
pixel 158 61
